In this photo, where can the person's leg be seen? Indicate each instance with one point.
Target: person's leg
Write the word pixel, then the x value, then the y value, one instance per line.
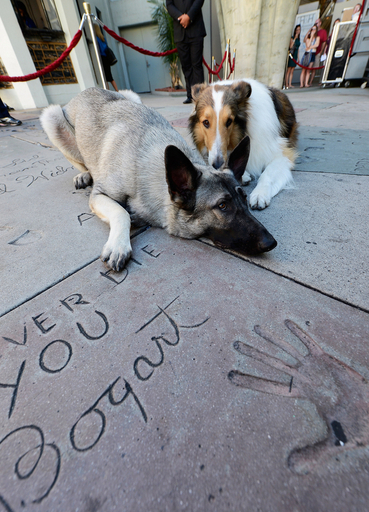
pixel 315 65
pixel 114 85
pixel 3 110
pixel 184 55
pixel 302 77
pixel 308 75
pixel 197 49
pixel 288 80
pixel 291 76
pixel 5 118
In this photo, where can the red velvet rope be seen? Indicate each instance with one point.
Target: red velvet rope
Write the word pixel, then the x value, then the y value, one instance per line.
pixel 140 50
pixel 304 67
pixel 75 41
pixel 48 68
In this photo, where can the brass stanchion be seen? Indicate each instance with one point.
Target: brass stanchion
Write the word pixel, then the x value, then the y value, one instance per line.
pixel 212 68
pixel 226 61
pixel 234 60
pixel 87 8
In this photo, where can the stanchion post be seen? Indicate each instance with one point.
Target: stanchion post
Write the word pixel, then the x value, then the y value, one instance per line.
pixel 212 68
pixel 234 67
pixel 226 61
pixel 87 8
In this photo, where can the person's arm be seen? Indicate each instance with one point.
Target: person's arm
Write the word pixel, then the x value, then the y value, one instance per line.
pixel 172 9
pixel 195 9
pixel 316 44
pixel 292 42
pixel 323 47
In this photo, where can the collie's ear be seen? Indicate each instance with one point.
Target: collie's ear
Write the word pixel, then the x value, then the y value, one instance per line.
pixel 242 90
pixel 182 178
pixel 237 160
pixel 197 89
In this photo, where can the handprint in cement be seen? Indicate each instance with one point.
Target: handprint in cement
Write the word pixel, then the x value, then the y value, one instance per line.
pixel 340 394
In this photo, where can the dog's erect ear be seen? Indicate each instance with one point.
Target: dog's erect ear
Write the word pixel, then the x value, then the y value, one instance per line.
pixel 182 178
pixel 196 90
pixel 237 160
pixel 242 90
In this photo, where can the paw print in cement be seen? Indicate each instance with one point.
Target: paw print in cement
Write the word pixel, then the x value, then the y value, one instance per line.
pixel 340 394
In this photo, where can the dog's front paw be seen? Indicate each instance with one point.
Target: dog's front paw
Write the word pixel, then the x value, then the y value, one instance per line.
pixel 259 200
pixel 82 180
pixel 246 178
pixel 116 256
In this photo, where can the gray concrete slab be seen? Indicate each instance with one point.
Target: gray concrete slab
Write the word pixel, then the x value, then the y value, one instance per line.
pixel 81 428
pixel 349 147
pixel 322 230
pixel 118 390
pixel 333 108
pixel 45 224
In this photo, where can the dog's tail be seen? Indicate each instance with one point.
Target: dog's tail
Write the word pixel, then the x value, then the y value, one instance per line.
pixel 61 134
pixel 130 95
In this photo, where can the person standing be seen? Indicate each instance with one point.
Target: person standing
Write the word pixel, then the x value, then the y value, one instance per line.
pixel 294 51
pixel 189 32
pixel 322 34
pixel 312 42
pixel 104 59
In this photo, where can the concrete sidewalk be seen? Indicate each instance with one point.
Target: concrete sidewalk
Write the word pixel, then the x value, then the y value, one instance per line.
pixel 174 384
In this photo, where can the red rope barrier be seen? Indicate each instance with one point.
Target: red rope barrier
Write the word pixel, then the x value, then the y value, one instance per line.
pixel 231 67
pixel 138 49
pixel 48 68
pixel 304 67
pixel 75 41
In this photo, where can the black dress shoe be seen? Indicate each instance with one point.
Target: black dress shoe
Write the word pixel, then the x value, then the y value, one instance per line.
pixel 187 100
pixel 9 121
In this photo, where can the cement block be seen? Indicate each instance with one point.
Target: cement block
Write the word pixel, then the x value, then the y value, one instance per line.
pixel 116 392
pixel 47 230
pixel 336 150
pixel 322 230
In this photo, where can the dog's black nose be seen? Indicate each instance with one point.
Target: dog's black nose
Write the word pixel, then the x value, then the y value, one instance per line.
pixel 267 243
pixel 218 162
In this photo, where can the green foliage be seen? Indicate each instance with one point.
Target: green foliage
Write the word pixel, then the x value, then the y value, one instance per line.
pixel 164 29
pixel 165 38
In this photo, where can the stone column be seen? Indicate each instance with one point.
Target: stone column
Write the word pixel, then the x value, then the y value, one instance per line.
pixel 260 30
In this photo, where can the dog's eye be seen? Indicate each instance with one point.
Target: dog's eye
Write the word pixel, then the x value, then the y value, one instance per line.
pixel 229 122
pixel 222 206
pixel 206 123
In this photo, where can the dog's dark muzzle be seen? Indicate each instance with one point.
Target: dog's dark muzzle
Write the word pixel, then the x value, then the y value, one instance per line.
pixel 250 247
pixel 247 237
pixel 266 244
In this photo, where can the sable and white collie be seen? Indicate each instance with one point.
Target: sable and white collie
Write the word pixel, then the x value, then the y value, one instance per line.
pixel 225 112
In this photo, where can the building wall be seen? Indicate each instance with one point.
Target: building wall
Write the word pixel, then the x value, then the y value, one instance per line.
pixel 260 30
pixel 130 15
pixel 18 62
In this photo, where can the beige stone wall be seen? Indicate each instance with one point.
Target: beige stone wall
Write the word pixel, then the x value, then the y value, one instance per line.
pixel 260 30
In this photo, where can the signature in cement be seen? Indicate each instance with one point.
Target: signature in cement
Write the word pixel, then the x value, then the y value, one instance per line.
pixel 24 449
pixel 26 445
pixel 340 394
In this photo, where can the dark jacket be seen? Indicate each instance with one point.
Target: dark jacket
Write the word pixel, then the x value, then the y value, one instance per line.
pixel 191 7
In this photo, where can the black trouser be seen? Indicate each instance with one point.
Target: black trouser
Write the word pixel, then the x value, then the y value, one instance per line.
pixel 190 55
pixel 3 110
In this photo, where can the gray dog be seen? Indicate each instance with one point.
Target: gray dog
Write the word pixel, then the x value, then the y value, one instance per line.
pixel 139 165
